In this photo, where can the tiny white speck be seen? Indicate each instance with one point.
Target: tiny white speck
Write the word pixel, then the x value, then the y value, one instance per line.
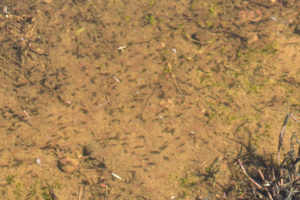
pixel 116 176
pixel 116 79
pixel 121 47
pixel 38 161
pixel 274 18
pixel 174 50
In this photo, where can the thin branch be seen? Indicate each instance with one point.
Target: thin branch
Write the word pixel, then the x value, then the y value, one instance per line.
pixel 261 175
pixel 294 118
pixel 247 175
pixel 263 178
pixel 80 193
pixel 282 134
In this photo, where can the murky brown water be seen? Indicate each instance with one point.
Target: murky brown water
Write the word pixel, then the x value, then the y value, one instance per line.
pixel 119 99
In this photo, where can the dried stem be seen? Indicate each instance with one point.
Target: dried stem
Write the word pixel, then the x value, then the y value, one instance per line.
pixel 294 118
pixel 263 178
pixel 282 134
pixel 80 193
pixel 247 175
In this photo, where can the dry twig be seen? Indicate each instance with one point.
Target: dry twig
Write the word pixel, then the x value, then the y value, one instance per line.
pixel 80 193
pixel 247 175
